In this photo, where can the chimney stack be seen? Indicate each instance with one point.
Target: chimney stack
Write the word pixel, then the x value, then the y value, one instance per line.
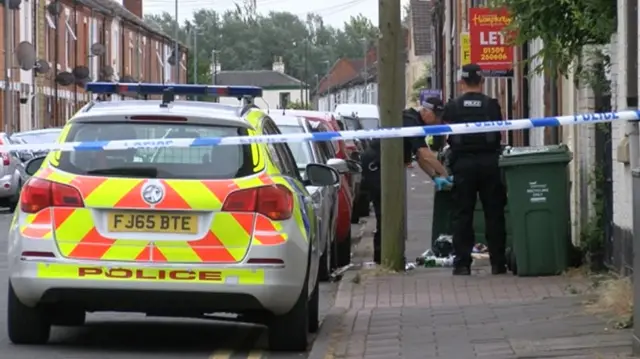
pixel 135 6
pixel 278 65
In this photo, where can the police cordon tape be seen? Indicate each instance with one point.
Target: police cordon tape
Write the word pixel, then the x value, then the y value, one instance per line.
pixel 418 131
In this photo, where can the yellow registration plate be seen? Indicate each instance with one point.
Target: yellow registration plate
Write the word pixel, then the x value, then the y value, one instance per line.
pixel 152 222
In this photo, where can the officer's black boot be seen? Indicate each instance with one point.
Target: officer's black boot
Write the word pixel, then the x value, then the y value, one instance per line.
pixel 377 248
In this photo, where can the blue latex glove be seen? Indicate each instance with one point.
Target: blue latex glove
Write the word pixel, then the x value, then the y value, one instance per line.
pixel 442 183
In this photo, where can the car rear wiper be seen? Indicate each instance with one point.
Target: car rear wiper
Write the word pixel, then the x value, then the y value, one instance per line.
pixel 149 172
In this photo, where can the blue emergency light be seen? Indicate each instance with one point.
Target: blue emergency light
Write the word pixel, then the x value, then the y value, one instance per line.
pixel 111 88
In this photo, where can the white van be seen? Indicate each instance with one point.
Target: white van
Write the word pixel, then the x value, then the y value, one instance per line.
pixel 367 113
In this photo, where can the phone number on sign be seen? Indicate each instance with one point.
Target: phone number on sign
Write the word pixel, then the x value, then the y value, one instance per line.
pixel 493 57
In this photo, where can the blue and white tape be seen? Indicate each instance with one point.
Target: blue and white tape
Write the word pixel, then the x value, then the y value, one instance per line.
pixel 418 131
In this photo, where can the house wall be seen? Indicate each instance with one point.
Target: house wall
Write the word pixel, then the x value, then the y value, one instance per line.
pixel 51 104
pixel 270 98
pixel 351 94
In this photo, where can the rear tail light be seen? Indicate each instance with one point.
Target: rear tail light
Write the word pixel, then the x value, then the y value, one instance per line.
pixel 275 201
pixel 6 159
pixel 38 194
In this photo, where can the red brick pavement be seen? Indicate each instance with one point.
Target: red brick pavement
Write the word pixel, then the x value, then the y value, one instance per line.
pixel 428 313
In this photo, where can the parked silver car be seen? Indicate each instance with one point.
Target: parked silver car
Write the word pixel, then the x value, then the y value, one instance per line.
pixel 10 178
pixel 325 199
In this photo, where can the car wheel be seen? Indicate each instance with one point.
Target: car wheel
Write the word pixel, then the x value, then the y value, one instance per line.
pixel 325 263
pixel 314 309
pixel 344 251
pixel 26 325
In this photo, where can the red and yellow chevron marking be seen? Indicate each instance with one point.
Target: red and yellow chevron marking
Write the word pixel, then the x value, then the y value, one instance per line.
pixel 227 241
pixel 38 225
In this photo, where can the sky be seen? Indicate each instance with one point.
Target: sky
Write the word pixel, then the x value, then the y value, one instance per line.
pixel 334 12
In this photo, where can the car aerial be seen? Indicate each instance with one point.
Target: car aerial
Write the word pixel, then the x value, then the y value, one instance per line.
pixel 11 178
pixel 165 230
pixel 349 184
pixel 325 199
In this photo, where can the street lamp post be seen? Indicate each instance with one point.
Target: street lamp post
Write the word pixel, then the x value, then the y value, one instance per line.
pixel 177 46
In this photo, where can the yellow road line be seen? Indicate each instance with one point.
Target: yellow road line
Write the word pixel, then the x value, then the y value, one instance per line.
pixel 255 354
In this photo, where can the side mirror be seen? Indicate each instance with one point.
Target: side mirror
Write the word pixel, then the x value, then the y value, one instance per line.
pixel 354 167
pixel 321 175
pixel 339 165
pixel 34 165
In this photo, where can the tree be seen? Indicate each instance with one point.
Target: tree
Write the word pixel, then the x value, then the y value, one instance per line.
pixel 422 82
pixel 245 41
pixel 565 27
pixel 297 105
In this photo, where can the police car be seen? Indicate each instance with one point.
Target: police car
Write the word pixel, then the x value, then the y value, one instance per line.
pixel 160 229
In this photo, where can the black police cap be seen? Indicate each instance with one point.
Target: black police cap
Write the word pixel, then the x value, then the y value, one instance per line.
pixel 471 72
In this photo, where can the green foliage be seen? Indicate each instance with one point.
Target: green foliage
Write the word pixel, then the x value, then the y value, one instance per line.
pixel 297 105
pixel 592 234
pixel 421 83
pixel 245 41
pixel 565 27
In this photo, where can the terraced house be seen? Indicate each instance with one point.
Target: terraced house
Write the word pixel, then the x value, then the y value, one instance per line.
pixel 54 47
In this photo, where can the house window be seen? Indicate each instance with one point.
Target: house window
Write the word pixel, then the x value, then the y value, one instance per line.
pixel 284 99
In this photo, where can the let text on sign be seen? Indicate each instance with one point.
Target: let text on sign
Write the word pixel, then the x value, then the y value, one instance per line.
pixel 489 42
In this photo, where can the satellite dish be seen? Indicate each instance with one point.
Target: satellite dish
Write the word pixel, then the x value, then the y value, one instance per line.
pixel 54 8
pixel 127 79
pixel 80 72
pixel 97 49
pixel 41 67
pixel 65 78
pixel 13 4
pixel 26 54
pixel 82 82
pixel 106 71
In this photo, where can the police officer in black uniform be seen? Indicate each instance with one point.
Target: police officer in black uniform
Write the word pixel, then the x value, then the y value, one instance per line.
pixel 474 163
pixel 428 113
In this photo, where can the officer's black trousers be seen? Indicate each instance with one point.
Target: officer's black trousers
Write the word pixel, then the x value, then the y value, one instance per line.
pixel 473 175
pixel 376 199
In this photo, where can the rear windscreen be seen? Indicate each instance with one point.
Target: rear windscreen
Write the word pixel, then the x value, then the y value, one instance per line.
pixel 203 162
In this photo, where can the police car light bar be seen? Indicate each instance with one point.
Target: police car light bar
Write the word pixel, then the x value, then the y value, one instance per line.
pixel 158 89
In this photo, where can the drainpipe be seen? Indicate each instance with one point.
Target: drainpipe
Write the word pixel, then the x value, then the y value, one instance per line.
pixel 633 138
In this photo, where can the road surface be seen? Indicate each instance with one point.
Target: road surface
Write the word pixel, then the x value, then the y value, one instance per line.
pixel 133 336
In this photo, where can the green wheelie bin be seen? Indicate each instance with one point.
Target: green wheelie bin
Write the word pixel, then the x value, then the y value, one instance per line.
pixel 538 196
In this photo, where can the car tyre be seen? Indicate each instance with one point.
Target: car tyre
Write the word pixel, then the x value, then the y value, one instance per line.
pixel 344 251
pixel 26 325
pixel 314 309
pixel 289 332
pixel 324 272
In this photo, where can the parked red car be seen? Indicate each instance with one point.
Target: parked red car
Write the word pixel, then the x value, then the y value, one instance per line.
pixel 349 183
